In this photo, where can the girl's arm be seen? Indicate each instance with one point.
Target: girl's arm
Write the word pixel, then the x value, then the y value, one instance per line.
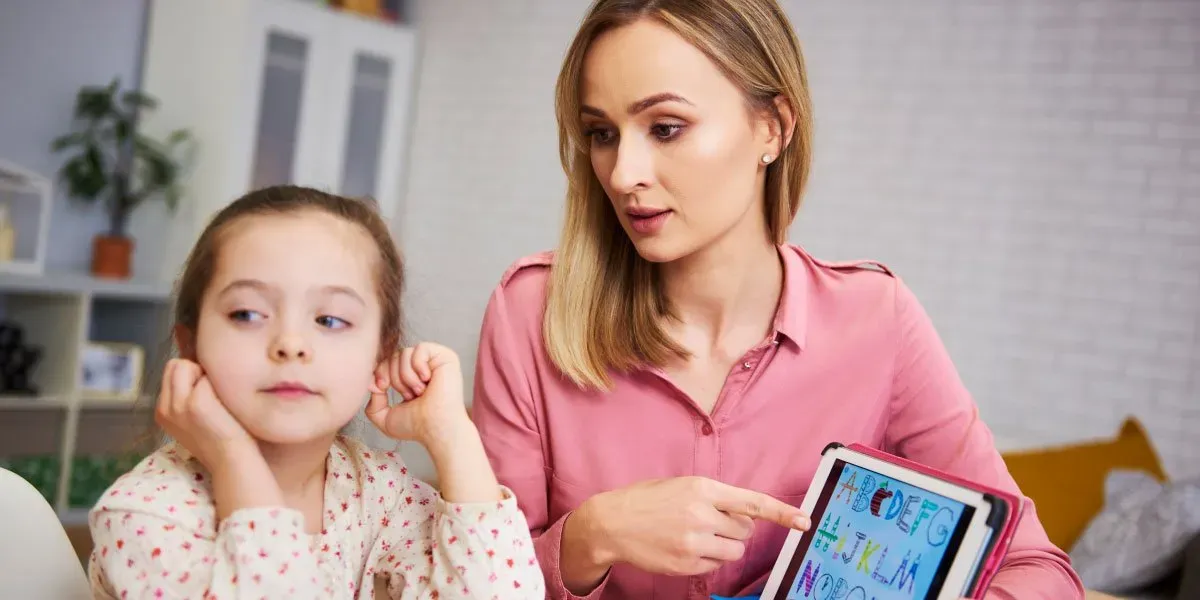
pixel 935 422
pixel 154 537
pixel 472 542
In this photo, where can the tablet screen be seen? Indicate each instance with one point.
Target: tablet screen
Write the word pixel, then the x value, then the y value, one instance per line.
pixel 875 537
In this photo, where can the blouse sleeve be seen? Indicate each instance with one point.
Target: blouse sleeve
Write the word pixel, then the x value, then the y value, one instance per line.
pixel 936 422
pixel 431 548
pixel 503 412
pixel 150 542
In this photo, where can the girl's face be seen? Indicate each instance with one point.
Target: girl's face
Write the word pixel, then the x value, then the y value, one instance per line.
pixel 289 327
pixel 672 142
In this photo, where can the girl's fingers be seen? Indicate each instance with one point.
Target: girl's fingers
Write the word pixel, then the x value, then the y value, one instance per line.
pixel 422 358
pixel 202 392
pixel 183 379
pixel 396 369
pixel 377 409
pixel 408 372
pixel 162 409
pixel 382 380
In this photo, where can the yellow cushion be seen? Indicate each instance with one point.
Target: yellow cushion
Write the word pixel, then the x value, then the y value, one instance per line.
pixel 1066 483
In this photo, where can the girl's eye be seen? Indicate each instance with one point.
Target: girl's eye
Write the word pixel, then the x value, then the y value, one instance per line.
pixel 246 316
pixel 665 131
pixel 332 322
pixel 600 136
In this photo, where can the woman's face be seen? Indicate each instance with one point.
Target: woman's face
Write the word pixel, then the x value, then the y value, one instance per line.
pixel 673 142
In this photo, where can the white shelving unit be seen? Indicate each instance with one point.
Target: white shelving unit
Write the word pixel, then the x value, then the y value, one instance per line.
pixel 26 197
pixel 273 91
pixel 59 313
pixel 280 91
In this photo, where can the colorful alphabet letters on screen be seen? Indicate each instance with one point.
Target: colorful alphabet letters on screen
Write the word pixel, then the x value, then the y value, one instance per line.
pixel 879 539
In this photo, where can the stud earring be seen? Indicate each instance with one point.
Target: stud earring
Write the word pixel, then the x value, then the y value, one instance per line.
pixel 766 159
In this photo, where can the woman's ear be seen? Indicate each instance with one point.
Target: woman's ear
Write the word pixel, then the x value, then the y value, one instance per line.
pixel 779 123
pixel 185 340
pixel 786 120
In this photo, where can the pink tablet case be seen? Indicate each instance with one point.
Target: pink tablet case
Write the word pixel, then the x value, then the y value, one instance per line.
pixel 1005 524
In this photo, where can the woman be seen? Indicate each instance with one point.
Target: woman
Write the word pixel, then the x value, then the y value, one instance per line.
pixel 654 388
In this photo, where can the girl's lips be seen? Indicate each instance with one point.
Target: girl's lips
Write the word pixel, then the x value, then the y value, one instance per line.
pixel 289 390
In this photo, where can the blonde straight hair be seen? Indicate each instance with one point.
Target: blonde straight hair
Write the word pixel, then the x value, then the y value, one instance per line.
pixel 605 304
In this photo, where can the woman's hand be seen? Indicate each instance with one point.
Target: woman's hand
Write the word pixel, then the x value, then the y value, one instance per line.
pixel 429 378
pixel 190 412
pixel 677 526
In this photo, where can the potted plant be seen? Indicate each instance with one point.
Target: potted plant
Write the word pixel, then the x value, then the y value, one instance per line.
pixel 111 162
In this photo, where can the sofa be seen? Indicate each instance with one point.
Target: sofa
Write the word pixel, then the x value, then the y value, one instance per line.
pixel 1067 482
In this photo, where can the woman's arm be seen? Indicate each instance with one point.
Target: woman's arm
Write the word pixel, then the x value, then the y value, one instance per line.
pixel 503 411
pixel 675 526
pixel 935 422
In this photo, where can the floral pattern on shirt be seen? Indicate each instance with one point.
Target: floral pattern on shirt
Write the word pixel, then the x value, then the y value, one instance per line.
pixel 156 536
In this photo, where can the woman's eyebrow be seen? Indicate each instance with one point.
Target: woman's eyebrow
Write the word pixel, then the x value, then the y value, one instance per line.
pixel 639 105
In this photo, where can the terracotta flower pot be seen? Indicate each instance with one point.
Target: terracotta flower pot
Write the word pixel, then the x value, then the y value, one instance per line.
pixel 111 256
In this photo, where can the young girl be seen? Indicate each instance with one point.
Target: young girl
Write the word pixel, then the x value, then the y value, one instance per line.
pixel 288 315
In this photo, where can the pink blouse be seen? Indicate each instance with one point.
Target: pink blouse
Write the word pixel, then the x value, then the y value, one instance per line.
pixel 852 358
pixel 156 536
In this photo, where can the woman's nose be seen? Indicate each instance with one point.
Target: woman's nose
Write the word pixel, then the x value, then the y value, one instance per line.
pixel 633 169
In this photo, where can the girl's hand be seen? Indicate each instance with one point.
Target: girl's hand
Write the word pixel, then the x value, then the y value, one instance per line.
pixel 429 378
pixel 190 412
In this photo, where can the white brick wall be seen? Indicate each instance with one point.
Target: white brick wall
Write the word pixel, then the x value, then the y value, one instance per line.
pixel 1030 167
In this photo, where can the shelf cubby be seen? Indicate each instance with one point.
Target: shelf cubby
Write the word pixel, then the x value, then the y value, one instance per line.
pixel 67 443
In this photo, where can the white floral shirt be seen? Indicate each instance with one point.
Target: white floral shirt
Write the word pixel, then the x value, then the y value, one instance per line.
pixel 155 536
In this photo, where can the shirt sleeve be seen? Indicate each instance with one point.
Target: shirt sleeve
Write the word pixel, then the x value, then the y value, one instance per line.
pixel 503 412
pixel 936 422
pixel 430 548
pixel 148 544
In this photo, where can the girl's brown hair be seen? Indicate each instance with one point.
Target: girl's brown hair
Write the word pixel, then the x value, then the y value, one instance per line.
pixel 288 200
pixel 283 200
pixel 604 305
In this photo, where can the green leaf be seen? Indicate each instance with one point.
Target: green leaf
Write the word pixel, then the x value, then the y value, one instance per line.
pixel 95 159
pixel 63 142
pixel 138 99
pixel 121 130
pixel 94 104
pixel 171 197
pixel 178 137
pixel 84 181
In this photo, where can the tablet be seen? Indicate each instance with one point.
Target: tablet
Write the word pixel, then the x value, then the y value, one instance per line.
pixel 883 530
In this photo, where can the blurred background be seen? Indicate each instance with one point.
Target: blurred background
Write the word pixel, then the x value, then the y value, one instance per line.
pixel 1031 168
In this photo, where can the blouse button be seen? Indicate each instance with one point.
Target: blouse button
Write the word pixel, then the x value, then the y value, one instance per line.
pixel 706 429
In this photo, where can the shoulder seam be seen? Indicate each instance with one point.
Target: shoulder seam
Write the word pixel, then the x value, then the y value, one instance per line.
pixel 864 264
pixel 541 259
pixel 858 265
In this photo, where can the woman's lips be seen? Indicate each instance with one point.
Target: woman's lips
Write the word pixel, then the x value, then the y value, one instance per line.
pixel 648 222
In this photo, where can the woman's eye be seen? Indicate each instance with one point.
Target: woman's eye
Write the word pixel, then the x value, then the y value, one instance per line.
pixel 246 316
pixel 665 131
pixel 600 136
pixel 332 322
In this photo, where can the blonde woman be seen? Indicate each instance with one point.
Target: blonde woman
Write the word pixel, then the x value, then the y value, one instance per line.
pixel 658 390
